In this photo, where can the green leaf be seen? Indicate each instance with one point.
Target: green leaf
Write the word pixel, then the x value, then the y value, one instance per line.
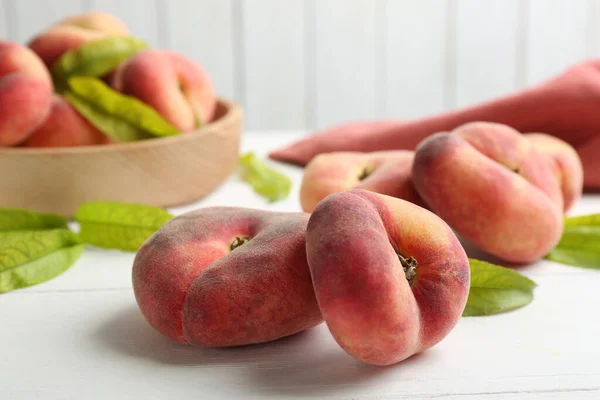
pixel 119 225
pixel 579 244
pixel 31 257
pixel 265 181
pixel 95 58
pixel 115 128
pixel 123 118
pixel 13 219
pixel 592 220
pixel 496 289
pixel 19 235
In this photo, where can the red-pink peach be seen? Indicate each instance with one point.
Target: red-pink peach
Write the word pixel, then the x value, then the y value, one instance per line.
pixel 70 33
pixel 174 85
pixel 25 93
pixel 226 276
pixel 65 127
pixel 391 278
pixel 491 185
pixel 566 164
pixel 385 172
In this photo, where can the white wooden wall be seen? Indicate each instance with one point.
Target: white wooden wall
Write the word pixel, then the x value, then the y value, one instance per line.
pixel 298 64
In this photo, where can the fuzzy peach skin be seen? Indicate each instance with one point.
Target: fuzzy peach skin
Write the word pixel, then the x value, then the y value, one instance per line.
pixel 192 287
pixel 176 86
pixel 385 172
pixel 493 187
pixel 25 93
pixel 566 164
pixel 65 127
pixel 74 31
pixel 376 310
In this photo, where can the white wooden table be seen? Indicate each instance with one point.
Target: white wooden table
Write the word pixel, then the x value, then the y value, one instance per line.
pixel 81 336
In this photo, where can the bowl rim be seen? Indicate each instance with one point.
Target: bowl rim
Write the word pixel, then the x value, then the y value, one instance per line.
pixel 233 112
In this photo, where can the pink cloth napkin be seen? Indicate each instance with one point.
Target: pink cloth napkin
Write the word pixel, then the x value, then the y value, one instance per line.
pixel 566 106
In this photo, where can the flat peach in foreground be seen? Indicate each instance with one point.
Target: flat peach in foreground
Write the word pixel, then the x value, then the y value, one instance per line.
pixel 491 185
pixel 226 276
pixel 25 93
pixel 566 163
pixel 391 278
pixel 175 86
pixel 72 32
pixel 65 127
pixel 385 172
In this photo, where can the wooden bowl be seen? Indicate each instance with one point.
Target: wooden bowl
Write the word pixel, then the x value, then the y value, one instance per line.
pixel 163 172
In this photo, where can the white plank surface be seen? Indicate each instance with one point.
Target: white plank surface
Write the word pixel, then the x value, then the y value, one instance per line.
pixel 33 16
pixel 274 64
pixel 204 30
pixel 487 39
pixel 345 60
pixel 557 36
pixel 142 17
pixel 416 35
pixel 96 345
pixel 82 336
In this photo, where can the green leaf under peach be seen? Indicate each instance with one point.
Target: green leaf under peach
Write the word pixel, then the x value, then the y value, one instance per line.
pixel 579 244
pixel 496 289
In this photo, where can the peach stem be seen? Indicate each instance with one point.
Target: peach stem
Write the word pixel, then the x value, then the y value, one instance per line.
pixel 238 241
pixel 368 170
pixel 409 265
